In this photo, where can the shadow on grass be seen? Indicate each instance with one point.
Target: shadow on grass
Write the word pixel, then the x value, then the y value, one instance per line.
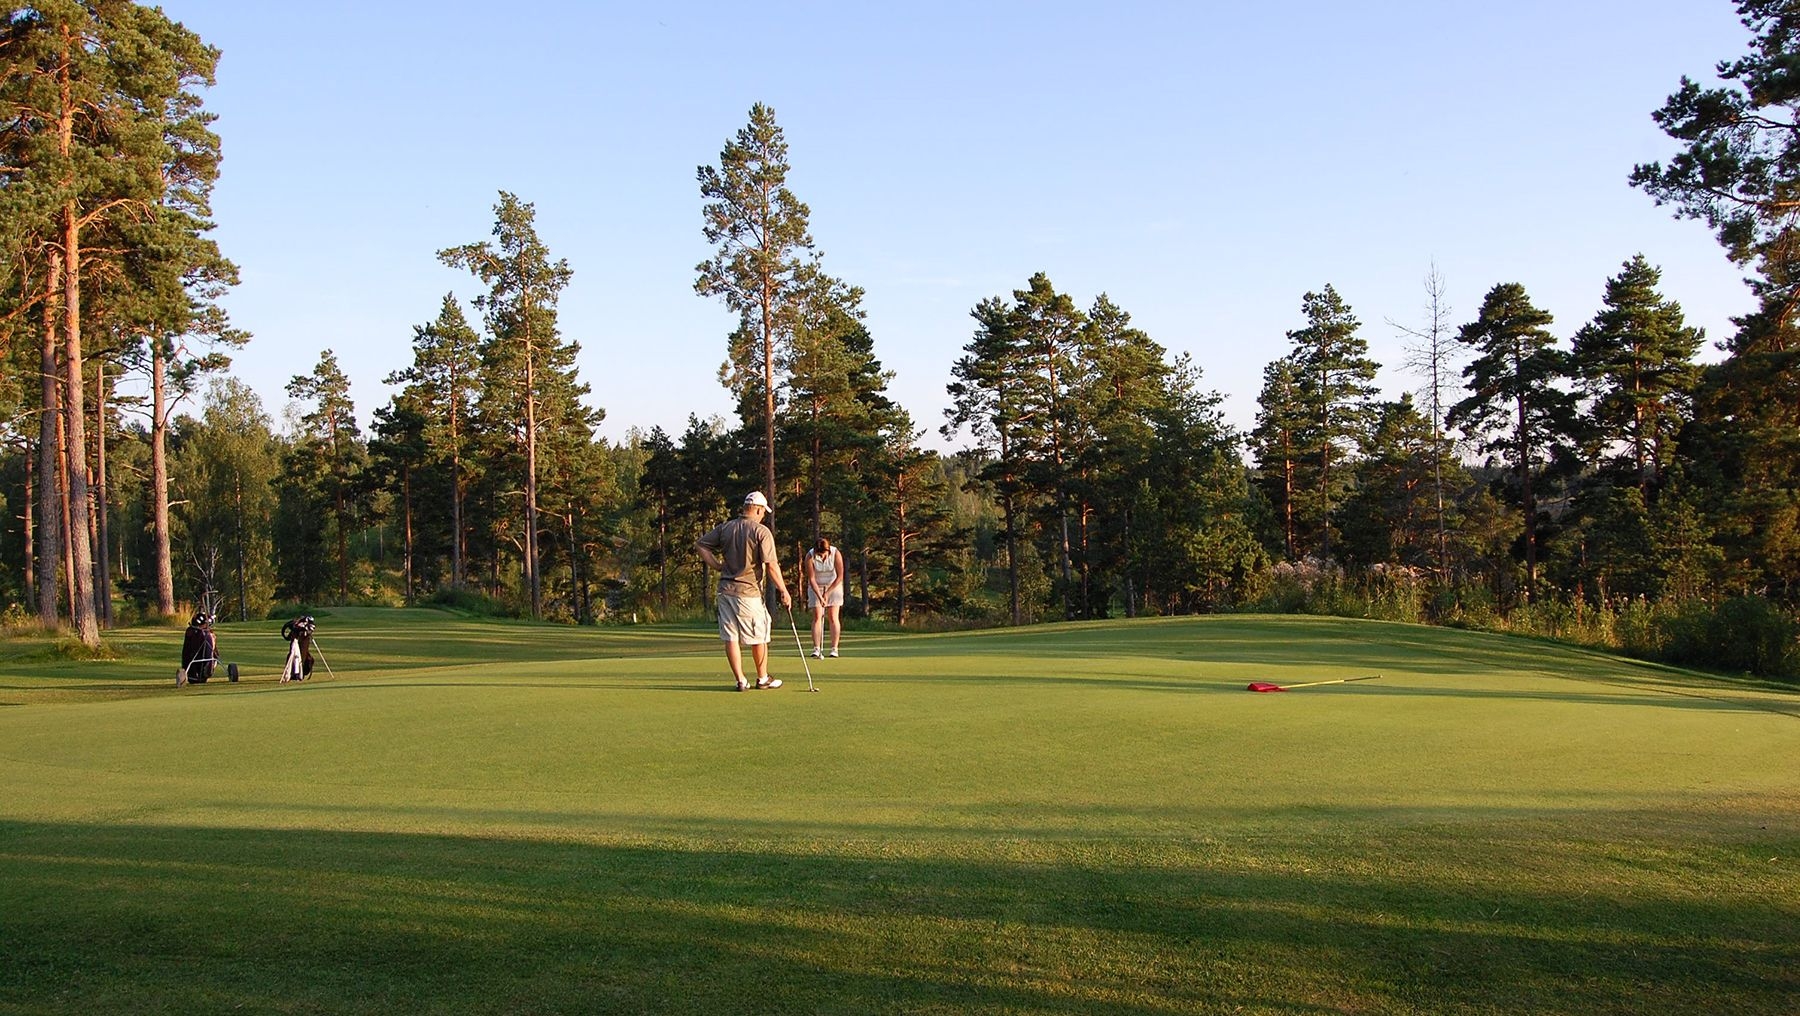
pixel 152 919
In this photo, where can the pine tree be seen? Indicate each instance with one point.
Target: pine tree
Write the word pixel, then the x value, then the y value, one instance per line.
pixel 1335 383
pixel 762 262
pixel 1277 441
pixel 440 385
pixel 1196 548
pixel 331 445
pixel 1517 405
pixel 987 398
pixel 1635 361
pixel 527 370
pixel 1738 170
pixel 1123 388
pixel 1395 515
pixel 110 131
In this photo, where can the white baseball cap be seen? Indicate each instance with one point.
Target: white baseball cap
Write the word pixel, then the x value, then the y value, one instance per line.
pixel 755 497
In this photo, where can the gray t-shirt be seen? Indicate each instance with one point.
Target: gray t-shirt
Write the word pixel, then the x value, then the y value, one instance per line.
pixel 744 546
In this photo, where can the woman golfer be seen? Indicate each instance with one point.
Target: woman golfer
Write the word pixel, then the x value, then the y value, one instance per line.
pixel 825 592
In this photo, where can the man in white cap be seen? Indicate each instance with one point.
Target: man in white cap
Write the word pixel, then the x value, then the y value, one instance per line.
pixel 744 551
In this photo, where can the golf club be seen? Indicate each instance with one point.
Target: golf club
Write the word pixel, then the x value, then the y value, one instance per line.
pixel 1265 686
pixel 803 664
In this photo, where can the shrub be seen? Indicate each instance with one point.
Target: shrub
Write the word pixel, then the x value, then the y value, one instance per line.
pixel 468 601
pixel 1746 633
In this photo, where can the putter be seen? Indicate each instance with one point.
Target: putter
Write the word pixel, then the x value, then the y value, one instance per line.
pixel 803 664
pixel 1265 686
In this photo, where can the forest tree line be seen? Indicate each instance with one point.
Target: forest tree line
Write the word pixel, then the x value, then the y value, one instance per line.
pixel 1591 479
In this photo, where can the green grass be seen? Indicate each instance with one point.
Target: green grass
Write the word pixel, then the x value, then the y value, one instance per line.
pixel 477 816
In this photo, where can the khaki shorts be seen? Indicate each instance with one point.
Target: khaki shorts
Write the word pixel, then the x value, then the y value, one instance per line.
pixel 834 598
pixel 743 619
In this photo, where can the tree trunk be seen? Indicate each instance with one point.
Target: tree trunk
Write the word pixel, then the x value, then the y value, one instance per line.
pixel 768 351
pixel 31 592
pixel 456 504
pixel 1012 558
pixel 862 578
pixel 87 626
pixel 49 530
pixel 900 549
pixel 102 511
pixel 531 484
pixel 662 555
pixel 343 524
pixel 62 492
pixel 1082 515
pixel 1130 584
pixel 818 481
pixel 406 495
pixel 237 502
pixel 1287 491
pixel 159 479
pixel 1530 507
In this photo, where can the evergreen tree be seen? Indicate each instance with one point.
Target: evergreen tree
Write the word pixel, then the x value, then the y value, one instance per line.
pixel 109 130
pixel 1738 170
pixel 1048 327
pixel 1335 383
pixel 440 386
pixel 837 405
pixel 987 399
pixel 1122 393
pixel 659 490
pixel 1742 453
pixel 400 455
pixel 1395 515
pixel 1635 360
pixel 1197 549
pixel 527 370
pixel 1277 441
pixel 330 449
pixel 1517 405
pixel 762 262
pixel 704 457
pixel 918 527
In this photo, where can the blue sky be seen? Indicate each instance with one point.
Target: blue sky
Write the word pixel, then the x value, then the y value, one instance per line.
pixel 1203 164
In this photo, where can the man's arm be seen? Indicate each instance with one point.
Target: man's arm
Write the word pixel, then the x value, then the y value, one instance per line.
pixel 707 555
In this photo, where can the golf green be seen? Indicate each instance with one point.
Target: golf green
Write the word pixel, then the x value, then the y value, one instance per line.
pixel 469 816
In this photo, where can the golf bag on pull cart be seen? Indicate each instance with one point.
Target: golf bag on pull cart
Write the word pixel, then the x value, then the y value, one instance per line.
pixel 199 651
pixel 299 634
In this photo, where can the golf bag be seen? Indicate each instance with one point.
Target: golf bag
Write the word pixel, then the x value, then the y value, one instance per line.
pixel 299 633
pixel 199 651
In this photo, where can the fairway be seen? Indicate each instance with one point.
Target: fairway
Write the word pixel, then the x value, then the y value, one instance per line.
pixel 471 816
